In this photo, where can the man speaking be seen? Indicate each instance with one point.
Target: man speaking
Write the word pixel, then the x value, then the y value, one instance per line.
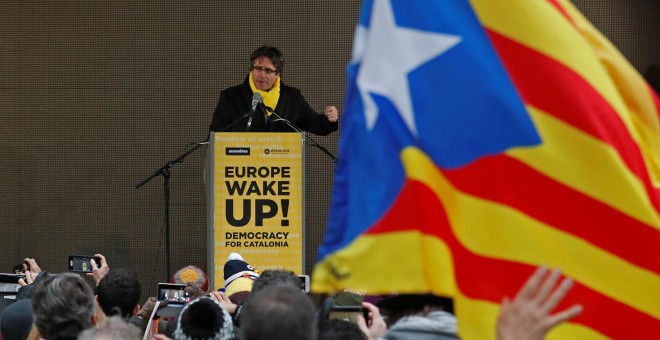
pixel 263 102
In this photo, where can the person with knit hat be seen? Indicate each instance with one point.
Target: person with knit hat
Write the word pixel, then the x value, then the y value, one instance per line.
pixel 239 277
pixel 192 275
pixel 203 318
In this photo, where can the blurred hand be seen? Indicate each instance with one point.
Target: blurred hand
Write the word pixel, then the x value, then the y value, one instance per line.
pixel 224 301
pixel 528 317
pixel 99 270
pixel 31 269
pixel 331 113
pixel 194 291
pixel 376 327
pixel 148 308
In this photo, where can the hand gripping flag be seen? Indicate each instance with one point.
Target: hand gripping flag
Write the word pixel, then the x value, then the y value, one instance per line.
pixel 482 139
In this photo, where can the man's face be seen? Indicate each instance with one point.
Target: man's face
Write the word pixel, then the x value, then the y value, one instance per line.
pixel 264 73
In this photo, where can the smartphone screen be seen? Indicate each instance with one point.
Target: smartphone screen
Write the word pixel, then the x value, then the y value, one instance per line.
pixel 304 283
pixel 347 313
pixel 174 294
pixel 81 264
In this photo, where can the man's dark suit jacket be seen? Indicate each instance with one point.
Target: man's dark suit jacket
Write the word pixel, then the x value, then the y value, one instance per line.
pixel 235 103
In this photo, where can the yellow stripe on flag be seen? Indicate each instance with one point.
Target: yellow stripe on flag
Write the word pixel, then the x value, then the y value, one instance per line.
pixel 481 316
pixel 587 53
pixel 375 263
pixel 601 173
pixel 650 146
pixel 632 87
pixel 629 83
pixel 501 232
pixel 542 27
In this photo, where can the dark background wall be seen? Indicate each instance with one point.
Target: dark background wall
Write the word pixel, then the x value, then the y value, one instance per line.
pixel 97 95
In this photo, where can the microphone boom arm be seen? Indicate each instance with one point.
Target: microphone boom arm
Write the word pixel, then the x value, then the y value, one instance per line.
pixel 307 138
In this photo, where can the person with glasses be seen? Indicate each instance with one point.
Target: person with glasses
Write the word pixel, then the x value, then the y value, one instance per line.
pixel 237 109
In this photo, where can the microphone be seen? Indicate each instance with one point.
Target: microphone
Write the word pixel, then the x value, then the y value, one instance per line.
pixel 256 99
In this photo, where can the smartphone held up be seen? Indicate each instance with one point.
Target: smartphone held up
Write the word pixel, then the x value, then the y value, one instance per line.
pixel 348 313
pixel 82 264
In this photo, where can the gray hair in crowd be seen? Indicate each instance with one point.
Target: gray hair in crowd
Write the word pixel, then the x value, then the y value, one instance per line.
pixel 63 305
pixel 112 328
pixel 279 312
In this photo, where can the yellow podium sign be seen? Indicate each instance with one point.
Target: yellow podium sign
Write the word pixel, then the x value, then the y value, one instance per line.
pixel 257 200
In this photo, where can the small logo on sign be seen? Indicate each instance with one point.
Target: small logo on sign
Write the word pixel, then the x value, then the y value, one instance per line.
pixel 276 151
pixel 237 151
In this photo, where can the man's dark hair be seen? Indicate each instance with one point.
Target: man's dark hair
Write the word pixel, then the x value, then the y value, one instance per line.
pixel 63 306
pixel 396 307
pixel 278 312
pixel 119 292
pixel 340 329
pixel 275 277
pixel 271 52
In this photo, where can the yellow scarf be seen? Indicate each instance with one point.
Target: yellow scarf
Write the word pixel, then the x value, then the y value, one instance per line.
pixel 272 96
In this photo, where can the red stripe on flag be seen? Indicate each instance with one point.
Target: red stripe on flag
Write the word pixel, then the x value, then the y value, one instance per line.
pixel 553 203
pixel 561 92
pixel 479 277
pixel 563 12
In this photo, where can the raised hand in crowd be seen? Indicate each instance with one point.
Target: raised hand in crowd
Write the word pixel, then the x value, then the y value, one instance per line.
pixel 99 270
pixel 31 269
pixel 224 301
pixel 194 291
pixel 528 316
pixel 148 308
pixel 375 327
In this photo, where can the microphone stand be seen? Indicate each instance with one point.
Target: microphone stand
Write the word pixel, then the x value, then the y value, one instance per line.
pixel 165 172
pixel 226 128
pixel 307 138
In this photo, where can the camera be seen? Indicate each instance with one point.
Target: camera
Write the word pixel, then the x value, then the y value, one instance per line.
pixel 82 264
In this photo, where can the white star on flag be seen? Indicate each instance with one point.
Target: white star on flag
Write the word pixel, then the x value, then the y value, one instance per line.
pixel 388 53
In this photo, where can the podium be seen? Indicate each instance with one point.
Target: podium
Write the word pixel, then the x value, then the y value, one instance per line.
pixel 255 201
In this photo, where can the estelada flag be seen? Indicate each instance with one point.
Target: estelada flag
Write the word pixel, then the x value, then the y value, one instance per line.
pixel 482 139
